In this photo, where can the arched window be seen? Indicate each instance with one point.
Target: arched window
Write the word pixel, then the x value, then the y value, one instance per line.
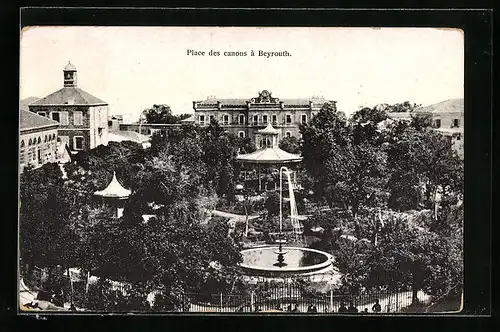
pixel 45 139
pixel 39 140
pixel 22 143
pixel 264 119
pixel 53 136
pixel 30 142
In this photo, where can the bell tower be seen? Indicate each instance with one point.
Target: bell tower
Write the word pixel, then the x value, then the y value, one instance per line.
pixel 69 75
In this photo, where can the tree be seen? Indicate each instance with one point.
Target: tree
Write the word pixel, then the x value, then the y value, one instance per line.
pixel 290 144
pixel 126 158
pixel 178 256
pixel 163 114
pixel 174 252
pixel 409 254
pixel 323 150
pixel 400 107
pixel 272 204
pixel 45 236
pixel 373 115
pixel 245 145
pixel 421 121
pixel 421 164
pixel 219 156
pixel 346 161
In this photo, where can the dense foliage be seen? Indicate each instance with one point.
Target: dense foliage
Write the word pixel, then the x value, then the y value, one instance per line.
pixel 162 114
pixel 371 171
pixel 369 164
pixel 174 252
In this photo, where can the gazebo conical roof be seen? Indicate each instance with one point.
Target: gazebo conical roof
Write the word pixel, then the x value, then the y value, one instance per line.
pixel 114 190
pixel 271 155
pixel 269 130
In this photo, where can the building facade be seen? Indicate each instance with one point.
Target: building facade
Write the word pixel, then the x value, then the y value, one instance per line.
pixel 37 140
pixel 244 117
pixel 447 117
pixel 82 117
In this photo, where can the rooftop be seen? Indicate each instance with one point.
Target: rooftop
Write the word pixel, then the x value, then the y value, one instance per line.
pixel 30 120
pixel 447 106
pixel 190 119
pixel 243 101
pixel 270 130
pixel 114 190
pixel 69 96
pixel 125 135
pixel 265 97
pixel 272 155
pixel 23 103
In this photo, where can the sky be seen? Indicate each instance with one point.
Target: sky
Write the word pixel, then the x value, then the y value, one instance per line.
pixel 133 68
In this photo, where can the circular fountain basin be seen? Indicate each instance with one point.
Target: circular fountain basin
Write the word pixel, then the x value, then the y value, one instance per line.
pixel 299 261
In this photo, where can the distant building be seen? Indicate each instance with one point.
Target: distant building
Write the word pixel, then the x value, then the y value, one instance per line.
pixel 82 117
pixel 447 117
pixel 400 116
pixel 119 133
pixel 132 136
pixel 148 129
pixel 37 140
pixel 114 122
pixel 244 117
pixel 191 120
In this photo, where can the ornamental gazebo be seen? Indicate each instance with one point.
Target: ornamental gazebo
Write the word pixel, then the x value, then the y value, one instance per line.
pixel 114 195
pixel 270 155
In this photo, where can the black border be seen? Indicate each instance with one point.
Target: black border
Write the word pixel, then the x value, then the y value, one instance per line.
pixel 477 26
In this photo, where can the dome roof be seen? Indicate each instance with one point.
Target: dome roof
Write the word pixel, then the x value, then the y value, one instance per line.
pixel 70 67
pixel 114 190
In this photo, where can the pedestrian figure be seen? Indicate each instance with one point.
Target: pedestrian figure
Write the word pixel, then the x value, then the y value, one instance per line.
pixel 342 307
pixel 365 311
pixel 289 308
pixel 278 307
pixel 352 308
pixel 376 307
pixel 257 309
pixel 314 309
pixel 310 308
pixel 72 307
pixel 296 309
pixel 240 309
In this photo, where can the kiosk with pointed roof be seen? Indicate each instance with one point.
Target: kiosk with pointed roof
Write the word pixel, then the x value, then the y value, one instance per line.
pixel 114 195
pixel 270 154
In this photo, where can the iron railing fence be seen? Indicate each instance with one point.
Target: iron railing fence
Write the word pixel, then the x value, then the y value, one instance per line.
pixel 290 298
pixel 286 297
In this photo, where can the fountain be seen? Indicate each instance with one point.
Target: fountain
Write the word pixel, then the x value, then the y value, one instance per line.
pixel 270 261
